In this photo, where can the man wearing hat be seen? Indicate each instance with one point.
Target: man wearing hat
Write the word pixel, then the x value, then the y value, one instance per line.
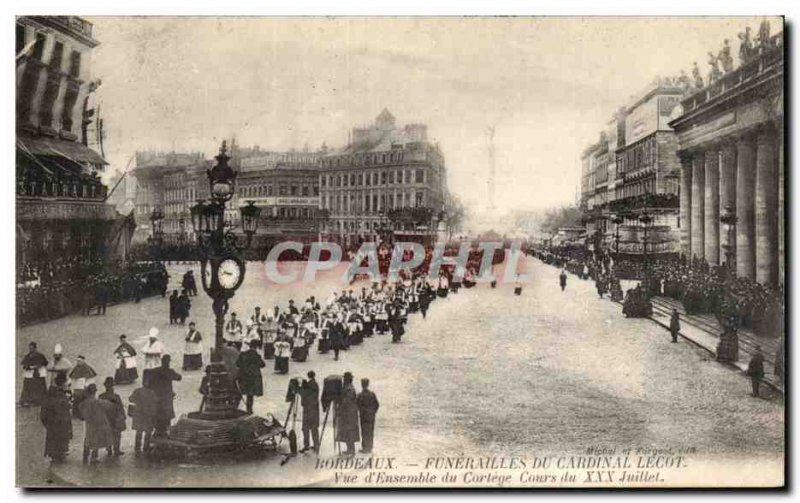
pixel 755 370
pixel 34 387
pixel 347 416
pixel 153 349
pixel 193 351
pixel 367 408
pixel 116 414
pixel 57 420
pixel 125 357
pixel 309 399
pixel 81 376
pixel 98 434
pixel 250 382
pixel 233 332
pixel 161 383
pixel 60 366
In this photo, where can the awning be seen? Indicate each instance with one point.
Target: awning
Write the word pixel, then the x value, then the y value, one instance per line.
pixel 43 145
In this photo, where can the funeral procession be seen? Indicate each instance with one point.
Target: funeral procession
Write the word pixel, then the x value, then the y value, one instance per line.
pixel 373 252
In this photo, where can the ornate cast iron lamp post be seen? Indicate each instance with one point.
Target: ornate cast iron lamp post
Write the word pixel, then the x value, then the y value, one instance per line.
pixel 729 221
pixel 220 424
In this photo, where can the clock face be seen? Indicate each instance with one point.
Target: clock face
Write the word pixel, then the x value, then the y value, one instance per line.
pixel 229 273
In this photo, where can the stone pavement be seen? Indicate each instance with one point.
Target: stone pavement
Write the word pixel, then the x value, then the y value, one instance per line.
pixel 704 330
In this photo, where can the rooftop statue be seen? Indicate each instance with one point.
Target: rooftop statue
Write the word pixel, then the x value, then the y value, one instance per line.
pixel 745 46
pixel 698 79
pixel 725 57
pixel 684 83
pixel 715 73
pixel 764 42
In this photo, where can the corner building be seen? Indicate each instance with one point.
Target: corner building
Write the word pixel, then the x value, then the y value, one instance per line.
pixel 382 168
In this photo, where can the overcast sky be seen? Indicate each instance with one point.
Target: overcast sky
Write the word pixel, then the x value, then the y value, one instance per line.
pixel 548 85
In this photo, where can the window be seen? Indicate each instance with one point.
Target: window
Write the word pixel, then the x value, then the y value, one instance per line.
pixel 70 97
pixel 269 190
pixel 360 179
pixel 316 191
pixel 294 190
pixel 305 191
pixel 383 178
pixel 283 190
pixel 75 64
pixel 419 199
pixel 391 177
pixel 38 47
pixel 58 56
pixel 20 38
pixel 420 176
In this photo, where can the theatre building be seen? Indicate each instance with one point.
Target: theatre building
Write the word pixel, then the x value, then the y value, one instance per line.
pixel 731 139
pixel 61 208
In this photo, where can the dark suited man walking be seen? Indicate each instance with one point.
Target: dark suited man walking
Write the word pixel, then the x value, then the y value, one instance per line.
pixel 309 399
pixel 367 408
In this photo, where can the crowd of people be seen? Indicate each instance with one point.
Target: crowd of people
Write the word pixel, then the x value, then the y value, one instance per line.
pixel 702 289
pixel 287 336
pixel 49 290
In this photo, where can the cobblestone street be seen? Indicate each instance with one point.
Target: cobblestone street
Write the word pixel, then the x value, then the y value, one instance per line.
pixel 488 373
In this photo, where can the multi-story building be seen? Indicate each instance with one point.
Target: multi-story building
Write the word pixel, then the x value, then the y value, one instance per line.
pixel 286 187
pixel 284 184
pixel 387 178
pixel 633 169
pixel 731 138
pixel 171 183
pixel 60 203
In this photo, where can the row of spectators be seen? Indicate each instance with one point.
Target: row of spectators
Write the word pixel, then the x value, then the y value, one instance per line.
pixel 49 291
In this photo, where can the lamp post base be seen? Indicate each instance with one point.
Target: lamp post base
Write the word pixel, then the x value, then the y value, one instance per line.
pixel 219 426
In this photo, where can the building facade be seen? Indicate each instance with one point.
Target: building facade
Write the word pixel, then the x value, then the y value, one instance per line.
pixel 731 138
pixel 634 169
pixel 284 184
pixel 386 179
pixel 60 199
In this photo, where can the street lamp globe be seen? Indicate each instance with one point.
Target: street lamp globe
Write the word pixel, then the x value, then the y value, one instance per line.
pixel 222 178
pixel 250 216
pixel 197 213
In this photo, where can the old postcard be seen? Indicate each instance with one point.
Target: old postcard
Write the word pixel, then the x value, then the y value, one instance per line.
pixel 416 252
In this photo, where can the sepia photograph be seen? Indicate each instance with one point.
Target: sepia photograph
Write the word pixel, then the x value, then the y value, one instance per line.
pixel 417 252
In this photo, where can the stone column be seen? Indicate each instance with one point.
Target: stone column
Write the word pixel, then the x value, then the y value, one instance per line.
pixel 766 209
pixel 712 207
pixel 727 191
pixel 745 207
pixel 698 200
pixel 686 206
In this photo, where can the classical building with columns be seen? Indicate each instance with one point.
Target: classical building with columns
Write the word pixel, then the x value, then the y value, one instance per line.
pixel 731 147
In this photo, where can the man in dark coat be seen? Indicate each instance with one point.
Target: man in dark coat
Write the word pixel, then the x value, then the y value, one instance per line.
pixel 336 334
pixel 562 280
pixel 143 412
pixel 250 364
pixel 161 383
pixel 309 399
pixel 116 414
pixel 34 386
pixel 173 307
pixel 56 417
pixel 674 325
pixel 347 416
pixel 367 408
pixel 755 370
pixel 98 433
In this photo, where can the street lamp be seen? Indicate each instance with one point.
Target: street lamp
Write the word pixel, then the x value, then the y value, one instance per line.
pixel 617 220
pixel 729 220
pixel 156 225
pixel 222 273
pixel 646 220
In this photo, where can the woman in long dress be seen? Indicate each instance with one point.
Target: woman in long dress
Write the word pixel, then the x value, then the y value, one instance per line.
pixel 126 371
